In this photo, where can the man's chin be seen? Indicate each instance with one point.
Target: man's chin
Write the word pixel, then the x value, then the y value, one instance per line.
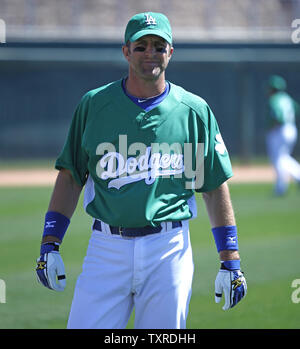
pixel 152 75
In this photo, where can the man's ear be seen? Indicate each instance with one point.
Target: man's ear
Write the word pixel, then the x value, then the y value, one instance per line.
pixel 126 51
pixel 171 52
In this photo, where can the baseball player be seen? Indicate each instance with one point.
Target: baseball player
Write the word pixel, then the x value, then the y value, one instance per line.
pixel 282 134
pixel 141 147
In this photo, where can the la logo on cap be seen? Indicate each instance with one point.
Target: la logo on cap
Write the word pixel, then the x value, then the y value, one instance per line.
pixel 150 20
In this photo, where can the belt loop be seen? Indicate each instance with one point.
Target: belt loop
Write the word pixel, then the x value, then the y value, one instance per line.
pixel 169 226
pixel 105 228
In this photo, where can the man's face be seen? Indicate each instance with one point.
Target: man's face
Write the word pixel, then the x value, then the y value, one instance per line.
pixel 148 57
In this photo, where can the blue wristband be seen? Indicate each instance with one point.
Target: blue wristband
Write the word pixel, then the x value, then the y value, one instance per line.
pixel 226 237
pixel 234 264
pixel 56 224
pixel 49 247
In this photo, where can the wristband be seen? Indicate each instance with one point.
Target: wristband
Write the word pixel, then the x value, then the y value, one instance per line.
pixel 234 264
pixel 49 247
pixel 226 237
pixel 56 224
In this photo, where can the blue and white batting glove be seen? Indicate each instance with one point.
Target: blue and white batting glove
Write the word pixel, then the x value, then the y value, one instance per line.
pixel 232 283
pixel 50 268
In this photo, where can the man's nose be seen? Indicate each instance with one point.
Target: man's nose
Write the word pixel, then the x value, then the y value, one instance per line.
pixel 150 49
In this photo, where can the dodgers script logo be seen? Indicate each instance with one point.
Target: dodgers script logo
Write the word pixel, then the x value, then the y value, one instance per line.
pixel 157 160
pixel 147 167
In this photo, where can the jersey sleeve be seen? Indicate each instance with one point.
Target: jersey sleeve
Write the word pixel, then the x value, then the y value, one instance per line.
pixel 275 111
pixel 73 156
pixel 217 164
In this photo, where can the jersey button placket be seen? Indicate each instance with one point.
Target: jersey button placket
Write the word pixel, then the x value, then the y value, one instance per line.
pixel 143 118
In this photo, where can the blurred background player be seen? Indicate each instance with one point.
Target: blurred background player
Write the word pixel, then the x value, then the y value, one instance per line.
pixel 282 134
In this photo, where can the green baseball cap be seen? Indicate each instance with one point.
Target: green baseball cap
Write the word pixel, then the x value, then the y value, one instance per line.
pixel 148 23
pixel 277 82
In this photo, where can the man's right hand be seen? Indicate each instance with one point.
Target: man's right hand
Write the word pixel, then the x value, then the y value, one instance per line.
pixel 50 268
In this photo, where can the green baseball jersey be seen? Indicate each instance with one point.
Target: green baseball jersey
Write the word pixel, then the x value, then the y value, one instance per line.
pixel 142 168
pixel 282 109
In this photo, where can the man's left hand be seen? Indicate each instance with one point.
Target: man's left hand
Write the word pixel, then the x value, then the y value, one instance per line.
pixel 233 284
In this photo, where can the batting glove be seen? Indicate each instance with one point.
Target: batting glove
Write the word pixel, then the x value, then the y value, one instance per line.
pixel 50 268
pixel 233 284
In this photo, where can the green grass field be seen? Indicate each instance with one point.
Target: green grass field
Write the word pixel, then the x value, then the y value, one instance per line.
pixel 269 239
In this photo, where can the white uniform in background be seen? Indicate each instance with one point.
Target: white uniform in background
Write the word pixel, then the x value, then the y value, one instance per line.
pixel 281 139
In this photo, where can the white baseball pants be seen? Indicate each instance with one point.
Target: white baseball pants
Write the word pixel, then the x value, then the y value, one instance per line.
pixel 152 274
pixel 280 144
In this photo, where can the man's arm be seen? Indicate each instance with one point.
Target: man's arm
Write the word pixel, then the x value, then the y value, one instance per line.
pixel 220 212
pixel 64 198
pixel 230 280
pixel 50 268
